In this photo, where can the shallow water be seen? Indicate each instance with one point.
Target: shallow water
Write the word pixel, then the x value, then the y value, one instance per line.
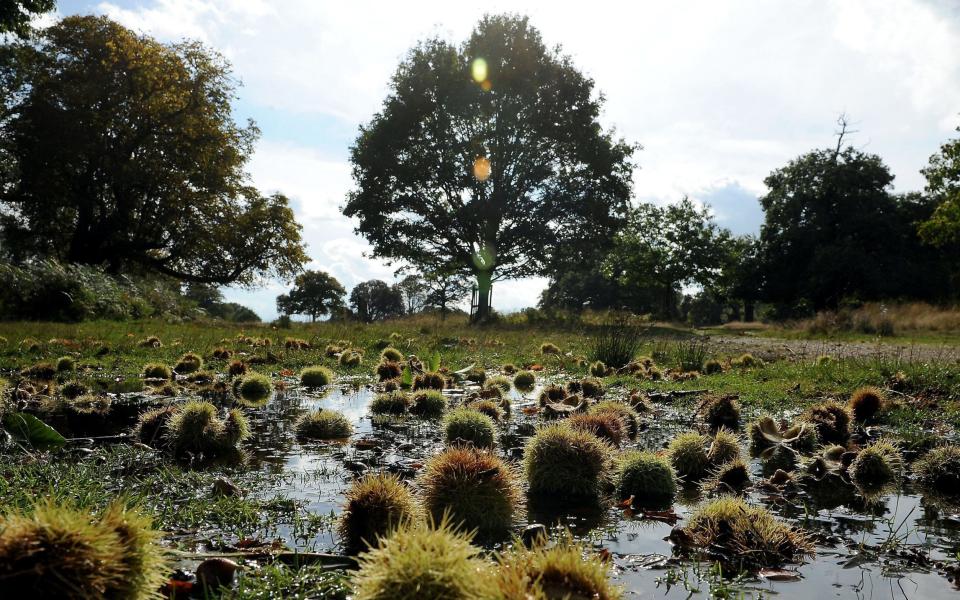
pixel 887 549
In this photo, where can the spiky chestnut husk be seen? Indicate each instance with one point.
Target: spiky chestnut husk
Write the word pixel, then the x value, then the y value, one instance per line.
pixel 561 462
pixel 865 403
pixel 876 468
pixel 157 371
pixel 429 404
pixel 647 477
pixel 236 428
pixel 478 490
pixel 598 369
pixel 524 381
pixel 195 427
pixel 390 403
pixel 591 387
pixel 509 369
pixel 73 389
pixel 429 381
pixel 549 348
pixel 145 561
pixel 386 371
pixel 606 426
pixel 237 368
pixel 255 388
pixel 150 342
pixel 42 371
pixel 419 561
pixel 688 455
pixel 470 426
pixel 374 506
pixel 939 470
pixel 323 425
pixel 831 421
pixel 626 413
pixel 721 411
pixel 749 533
pixel 188 363
pixel 389 354
pixel 315 376
pixel 565 570
pixel 500 382
pixel 724 447
pixel 151 425
pixel 66 363
pixel 490 408
pixel 803 438
pixel 729 478
pixel 746 361
pixel 222 354
pixel 552 393
pixel 712 367
pixel 350 359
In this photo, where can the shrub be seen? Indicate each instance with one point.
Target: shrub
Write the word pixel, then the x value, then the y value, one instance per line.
pixel 721 411
pixel 627 414
pixel 255 388
pixel 549 348
pixel 476 488
pixel 606 426
pixel 559 571
pixel 939 470
pixel 524 381
pixel 647 477
pixel 470 426
pixel 188 363
pixel 157 371
pixel 323 425
pixel 563 463
pixel 419 561
pixel 690 355
pixel 390 403
pixel 688 455
pixel 748 534
pixel 865 403
pixel 375 505
pixel 315 377
pixel 429 404
pixel 391 355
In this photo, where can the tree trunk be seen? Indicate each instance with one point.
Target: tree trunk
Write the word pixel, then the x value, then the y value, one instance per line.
pixel 748 308
pixel 484 283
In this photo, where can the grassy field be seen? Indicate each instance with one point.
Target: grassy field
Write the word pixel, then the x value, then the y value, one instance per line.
pixel 924 410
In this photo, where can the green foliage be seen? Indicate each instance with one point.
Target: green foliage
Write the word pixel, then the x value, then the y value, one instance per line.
pixel 315 376
pixel 374 300
pixel 560 462
pixel 469 426
pixel 323 425
pixel 475 488
pixel 561 200
pixel 31 431
pixel 15 15
pixel 314 293
pixel 375 505
pixel 647 477
pixel 689 355
pixel 616 341
pixel 943 184
pixel 89 91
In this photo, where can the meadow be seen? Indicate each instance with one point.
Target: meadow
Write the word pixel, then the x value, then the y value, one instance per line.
pixel 339 459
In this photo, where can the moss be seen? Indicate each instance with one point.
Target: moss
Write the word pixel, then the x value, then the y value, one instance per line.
pixel 419 561
pixel 724 448
pixel 188 363
pixel 721 411
pixel 390 354
pixel 549 348
pixel 566 570
pixel 626 413
pixel 591 387
pixel 144 560
pixel 598 369
pixel 350 359
pixel 939 470
pixel 57 552
pixel 386 371
pixel 865 403
pixel 746 534
pixel 688 455
pixel 712 367
pixel 488 407
pixel 429 404
pixel 467 425
pixel 499 381
pixel 315 377
pixel 831 422
pixel 66 363
pixel 647 477
pixel 375 505
pixel 323 425
pixel 876 468
pixel 606 426
pixel 157 371
pixel 563 463
pixel 255 388
pixel 429 381
pixel 524 381
pixel 390 403
pixel 478 490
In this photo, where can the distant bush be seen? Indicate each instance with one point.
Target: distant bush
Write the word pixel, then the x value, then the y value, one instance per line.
pixel 875 318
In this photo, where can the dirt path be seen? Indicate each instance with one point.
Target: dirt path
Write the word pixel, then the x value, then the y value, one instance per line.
pixel 769 348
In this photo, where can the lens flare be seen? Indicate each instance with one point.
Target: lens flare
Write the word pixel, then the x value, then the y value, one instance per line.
pixel 481 168
pixel 479 70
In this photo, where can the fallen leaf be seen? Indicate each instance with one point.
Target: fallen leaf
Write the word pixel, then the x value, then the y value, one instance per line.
pixel 778 575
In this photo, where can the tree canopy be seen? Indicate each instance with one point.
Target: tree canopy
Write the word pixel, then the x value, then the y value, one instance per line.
pixel 15 15
pixel 121 151
pixel 314 293
pixel 374 300
pixel 488 159
pixel 943 184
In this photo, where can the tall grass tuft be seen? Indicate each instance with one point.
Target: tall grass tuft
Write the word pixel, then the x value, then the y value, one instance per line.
pixel 616 342
pixel 690 355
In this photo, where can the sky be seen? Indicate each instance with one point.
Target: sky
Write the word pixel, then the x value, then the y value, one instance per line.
pixel 718 92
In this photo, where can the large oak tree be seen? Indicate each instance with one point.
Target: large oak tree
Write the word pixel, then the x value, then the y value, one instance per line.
pixel 489 160
pixel 118 150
